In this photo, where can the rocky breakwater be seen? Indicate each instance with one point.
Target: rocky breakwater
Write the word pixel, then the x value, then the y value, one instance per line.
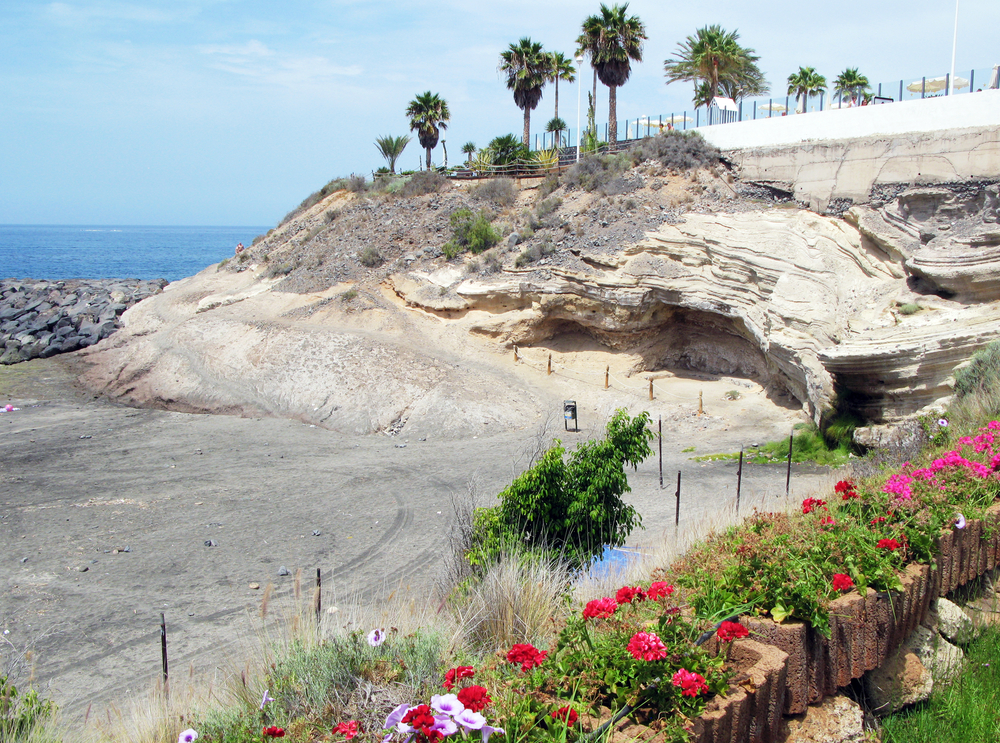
pixel 39 319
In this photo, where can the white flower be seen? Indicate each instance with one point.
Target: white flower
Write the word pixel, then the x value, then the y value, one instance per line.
pixel 959 521
pixel 376 637
pixel 188 736
pixel 472 720
pixel 943 422
pixel 447 703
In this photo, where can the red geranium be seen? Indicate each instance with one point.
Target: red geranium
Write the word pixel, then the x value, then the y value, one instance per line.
pixel 347 729
pixel 827 521
pixel 729 631
pixel 475 698
pixel 628 594
pixel 527 655
pixel 879 520
pixel 421 719
pixel 454 674
pixel 842 582
pixel 659 588
pixel 566 714
pixel 647 646
pixel 811 504
pixel 888 544
pixel 691 684
pixel 274 732
pixel 600 608
pixel 846 489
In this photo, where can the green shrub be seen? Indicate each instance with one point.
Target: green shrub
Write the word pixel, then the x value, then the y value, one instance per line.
pixel 571 506
pixel 506 150
pixel 550 184
pixel 21 714
pixel 422 183
pixel 676 150
pixel 471 231
pixel 595 172
pixel 977 389
pixel 281 269
pixel 349 295
pixel 909 308
pixel 371 257
pixel 547 206
pixel 534 253
pixel 498 191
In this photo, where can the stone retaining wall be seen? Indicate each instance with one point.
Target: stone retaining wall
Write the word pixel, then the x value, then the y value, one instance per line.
pixel 39 319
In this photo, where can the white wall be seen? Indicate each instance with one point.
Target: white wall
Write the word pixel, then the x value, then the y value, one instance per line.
pixel 930 114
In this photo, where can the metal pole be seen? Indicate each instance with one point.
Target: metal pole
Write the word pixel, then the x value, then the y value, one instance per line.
pixel 954 46
pixel 319 592
pixel 163 648
pixel 739 482
pixel 677 512
pixel 661 452
pixel 788 473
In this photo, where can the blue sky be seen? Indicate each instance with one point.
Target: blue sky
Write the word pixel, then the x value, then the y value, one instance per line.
pixel 230 112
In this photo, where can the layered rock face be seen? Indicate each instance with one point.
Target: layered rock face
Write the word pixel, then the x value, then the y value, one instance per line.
pixel 43 318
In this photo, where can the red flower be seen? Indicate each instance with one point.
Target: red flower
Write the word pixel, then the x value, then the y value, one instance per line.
pixel 527 655
pixel 628 594
pixel 879 520
pixel 274 732
pixel 421 719
pixel 729 631
pixel 811 504
pixel 454 674
pixel 842 582
pixel 827 521
pixel 600 608
pixel 888 544
pixel 475 698
pixel 659 588
pixel 692 684
pixel 846 489
pixel 347 729
pixel 647 646
pixel 566 714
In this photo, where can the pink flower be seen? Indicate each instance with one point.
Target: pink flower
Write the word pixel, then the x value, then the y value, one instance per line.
pixel 647 646
pixel 691 684
pixel 659 588
pixel 600 608
pixel 628 594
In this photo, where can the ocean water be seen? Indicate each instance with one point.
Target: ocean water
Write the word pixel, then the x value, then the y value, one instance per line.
pixel 126 252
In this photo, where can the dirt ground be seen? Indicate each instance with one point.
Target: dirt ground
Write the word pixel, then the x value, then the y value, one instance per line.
pixel 111 515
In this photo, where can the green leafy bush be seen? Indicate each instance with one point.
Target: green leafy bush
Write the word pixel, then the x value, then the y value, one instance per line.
pixel 909 308
pixel 471 231
pixel 571 506
pixel 21 714
pixel 595 172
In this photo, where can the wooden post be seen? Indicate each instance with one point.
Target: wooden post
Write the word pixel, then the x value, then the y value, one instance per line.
pixel 650 388
pixel 739 482
pixel 661 452
pixel 677 512
pixel 701 410
pixel 550 364
pixel 515 354
pixel 319 592
pixel 607 376
pixel 163 649
pixel 788 473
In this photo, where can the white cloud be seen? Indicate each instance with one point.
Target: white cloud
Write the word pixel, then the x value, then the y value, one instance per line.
pixel 258 62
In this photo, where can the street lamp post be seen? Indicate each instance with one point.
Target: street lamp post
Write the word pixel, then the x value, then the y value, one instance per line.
pixel 954 45
pixel 445 148
pixel 579 88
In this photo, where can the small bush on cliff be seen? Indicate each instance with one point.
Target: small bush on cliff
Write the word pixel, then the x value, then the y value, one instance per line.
pixel 977 388
pixel 497 191
pixel 423 183
pixel 677 151
pixel 471 231
pixel 569 506
pixel 594 172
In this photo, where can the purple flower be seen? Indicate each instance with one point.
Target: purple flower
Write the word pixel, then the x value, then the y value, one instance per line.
pixel 376 637
pixel 943 422
pixel 445 724
pixel 959 521
pixel 188 736
pixel 447 704
pixel 471 720
pixel 487 731
pixel 265 699
pixel 395 716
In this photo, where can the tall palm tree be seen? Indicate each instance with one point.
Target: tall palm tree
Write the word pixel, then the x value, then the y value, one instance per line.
pixel 715 62
pixel 560 68
pixel 612 39
pixel 526 66
pixel 806 83
pixel 391 148
pixel 851 83
pixel 469 149
pixel 428 114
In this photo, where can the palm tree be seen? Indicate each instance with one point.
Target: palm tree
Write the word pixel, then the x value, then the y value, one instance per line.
pixel 391 148
pixel 560 68
pixel 469 149
pixel 851 83
pixel 428 114
pixel 556 127
pixel 715 62
pixel 612 39
pixel 526 66
pixel 806 83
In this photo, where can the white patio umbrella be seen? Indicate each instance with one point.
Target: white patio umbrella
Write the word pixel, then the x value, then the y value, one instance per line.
pixel 771 107
pixel 995 80
pixel 936 84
